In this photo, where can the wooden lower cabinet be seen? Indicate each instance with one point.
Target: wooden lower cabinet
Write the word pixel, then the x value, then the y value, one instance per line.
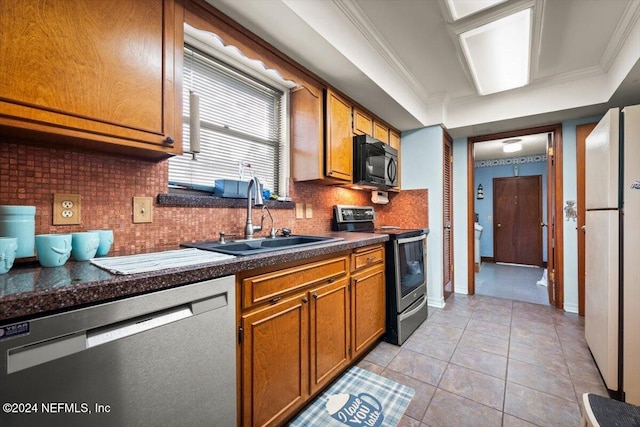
pixel 300 339
pixel 367 307
pixel 329 331
pixel 275 361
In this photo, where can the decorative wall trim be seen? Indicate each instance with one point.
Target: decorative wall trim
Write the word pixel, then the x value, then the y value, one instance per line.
pixel 571 308
pixel 511 161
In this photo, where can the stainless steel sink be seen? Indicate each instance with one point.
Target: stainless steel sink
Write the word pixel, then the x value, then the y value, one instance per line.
pixel 262 245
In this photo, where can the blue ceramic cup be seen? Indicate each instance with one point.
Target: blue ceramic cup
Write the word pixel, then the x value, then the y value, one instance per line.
pixel 84 245
pixel 106 240
pixel 53 249
pixel 8 249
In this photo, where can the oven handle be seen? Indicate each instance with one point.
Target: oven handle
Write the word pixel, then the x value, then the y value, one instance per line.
pixel 411 239
pixel 410 313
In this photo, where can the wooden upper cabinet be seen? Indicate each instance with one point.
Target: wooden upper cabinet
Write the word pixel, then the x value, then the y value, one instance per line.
pixel 93 74
pixel 339 139
pixel 394 139
pixel 381 131
pixel 362 122
pixel 307 133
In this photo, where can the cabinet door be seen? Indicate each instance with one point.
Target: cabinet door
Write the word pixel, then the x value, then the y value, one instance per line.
pixel 362 123
pixel 92 71
pixel 339 142
pixel 307 162
pixel 394 139
pixel 275 361
pixel 329 331
pixel 367 308
pixel 381 132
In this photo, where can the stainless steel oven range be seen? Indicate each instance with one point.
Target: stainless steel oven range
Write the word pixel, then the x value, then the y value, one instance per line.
pixel 406 269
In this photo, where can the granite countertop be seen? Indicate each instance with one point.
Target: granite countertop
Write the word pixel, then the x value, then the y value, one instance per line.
pixel 29 291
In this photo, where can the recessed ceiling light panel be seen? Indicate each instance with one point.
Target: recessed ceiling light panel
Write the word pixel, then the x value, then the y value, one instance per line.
pixel 461 8
pixel 512 145
pixel 498 53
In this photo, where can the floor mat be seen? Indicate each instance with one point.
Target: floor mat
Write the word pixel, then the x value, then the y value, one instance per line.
pixel 358 398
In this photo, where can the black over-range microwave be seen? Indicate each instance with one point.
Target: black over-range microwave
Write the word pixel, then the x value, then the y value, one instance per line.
pixel 375 163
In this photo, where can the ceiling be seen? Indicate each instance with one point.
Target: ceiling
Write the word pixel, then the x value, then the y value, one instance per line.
pixel 402 60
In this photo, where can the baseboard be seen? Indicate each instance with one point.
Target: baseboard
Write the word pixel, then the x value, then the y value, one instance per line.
pixel 571 308
pixel 487 259
pixel 437 303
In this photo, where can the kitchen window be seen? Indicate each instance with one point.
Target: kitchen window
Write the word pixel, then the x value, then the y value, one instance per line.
pixel 242 121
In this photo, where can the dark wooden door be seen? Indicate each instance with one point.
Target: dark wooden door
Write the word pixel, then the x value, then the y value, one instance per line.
pixel 517 219
pixel 447 215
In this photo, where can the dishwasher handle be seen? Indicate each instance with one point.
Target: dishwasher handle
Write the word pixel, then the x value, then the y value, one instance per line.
pixel 110 333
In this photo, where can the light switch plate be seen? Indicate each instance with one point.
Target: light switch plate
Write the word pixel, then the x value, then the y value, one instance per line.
pixel 299 210
pixel 308 210
pixel 66 209
pixel 142 210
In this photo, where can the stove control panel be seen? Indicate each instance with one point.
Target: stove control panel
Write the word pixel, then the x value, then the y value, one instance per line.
pixel 347 214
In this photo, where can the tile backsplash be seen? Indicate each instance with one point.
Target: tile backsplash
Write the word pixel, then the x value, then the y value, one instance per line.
pixel 107 185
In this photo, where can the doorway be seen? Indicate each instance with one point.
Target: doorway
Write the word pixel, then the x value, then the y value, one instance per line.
pixel 517 220
pixel 554 226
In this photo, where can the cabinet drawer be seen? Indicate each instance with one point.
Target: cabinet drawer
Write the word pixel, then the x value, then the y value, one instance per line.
pixel 269 286
pixel 368 256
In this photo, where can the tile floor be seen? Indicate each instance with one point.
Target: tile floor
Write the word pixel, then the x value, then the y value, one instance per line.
pixel 512 282
pixel 486 361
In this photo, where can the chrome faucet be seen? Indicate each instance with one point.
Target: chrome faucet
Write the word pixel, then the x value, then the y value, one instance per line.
pixel 249 228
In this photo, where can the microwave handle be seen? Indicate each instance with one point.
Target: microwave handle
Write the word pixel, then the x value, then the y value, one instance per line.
pixel 392 170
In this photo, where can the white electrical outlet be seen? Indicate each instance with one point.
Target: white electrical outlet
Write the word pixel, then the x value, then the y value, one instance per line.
pixel 66 209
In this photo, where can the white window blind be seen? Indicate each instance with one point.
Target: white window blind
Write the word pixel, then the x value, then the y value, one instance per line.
pixel 240 122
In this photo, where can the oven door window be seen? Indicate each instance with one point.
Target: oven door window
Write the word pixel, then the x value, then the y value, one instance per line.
pixel 410 267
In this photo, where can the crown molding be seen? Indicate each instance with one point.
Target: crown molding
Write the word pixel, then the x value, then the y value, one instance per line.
pixel 363 24
pixel 619 37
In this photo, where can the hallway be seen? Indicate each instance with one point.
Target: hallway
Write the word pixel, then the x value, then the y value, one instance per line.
pixel 512 282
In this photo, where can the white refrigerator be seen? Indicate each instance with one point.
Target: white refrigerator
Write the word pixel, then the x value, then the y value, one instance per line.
pixel 612 283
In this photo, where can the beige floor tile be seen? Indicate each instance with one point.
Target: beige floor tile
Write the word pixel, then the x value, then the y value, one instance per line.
pixel 540 408
pixel 451 319
pixel 492 316
pixel 424 368
pixel 473 385
pixel 511 421
pixel 422 396
pixel 429 346
pixel 553 361
pixel 489 328
pixel 481 361
pixel 540 379
pixel 383 354
pixel 449 410
pixel 484 342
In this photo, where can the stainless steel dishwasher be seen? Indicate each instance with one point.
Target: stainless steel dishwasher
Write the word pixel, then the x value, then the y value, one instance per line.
pixel 165 358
